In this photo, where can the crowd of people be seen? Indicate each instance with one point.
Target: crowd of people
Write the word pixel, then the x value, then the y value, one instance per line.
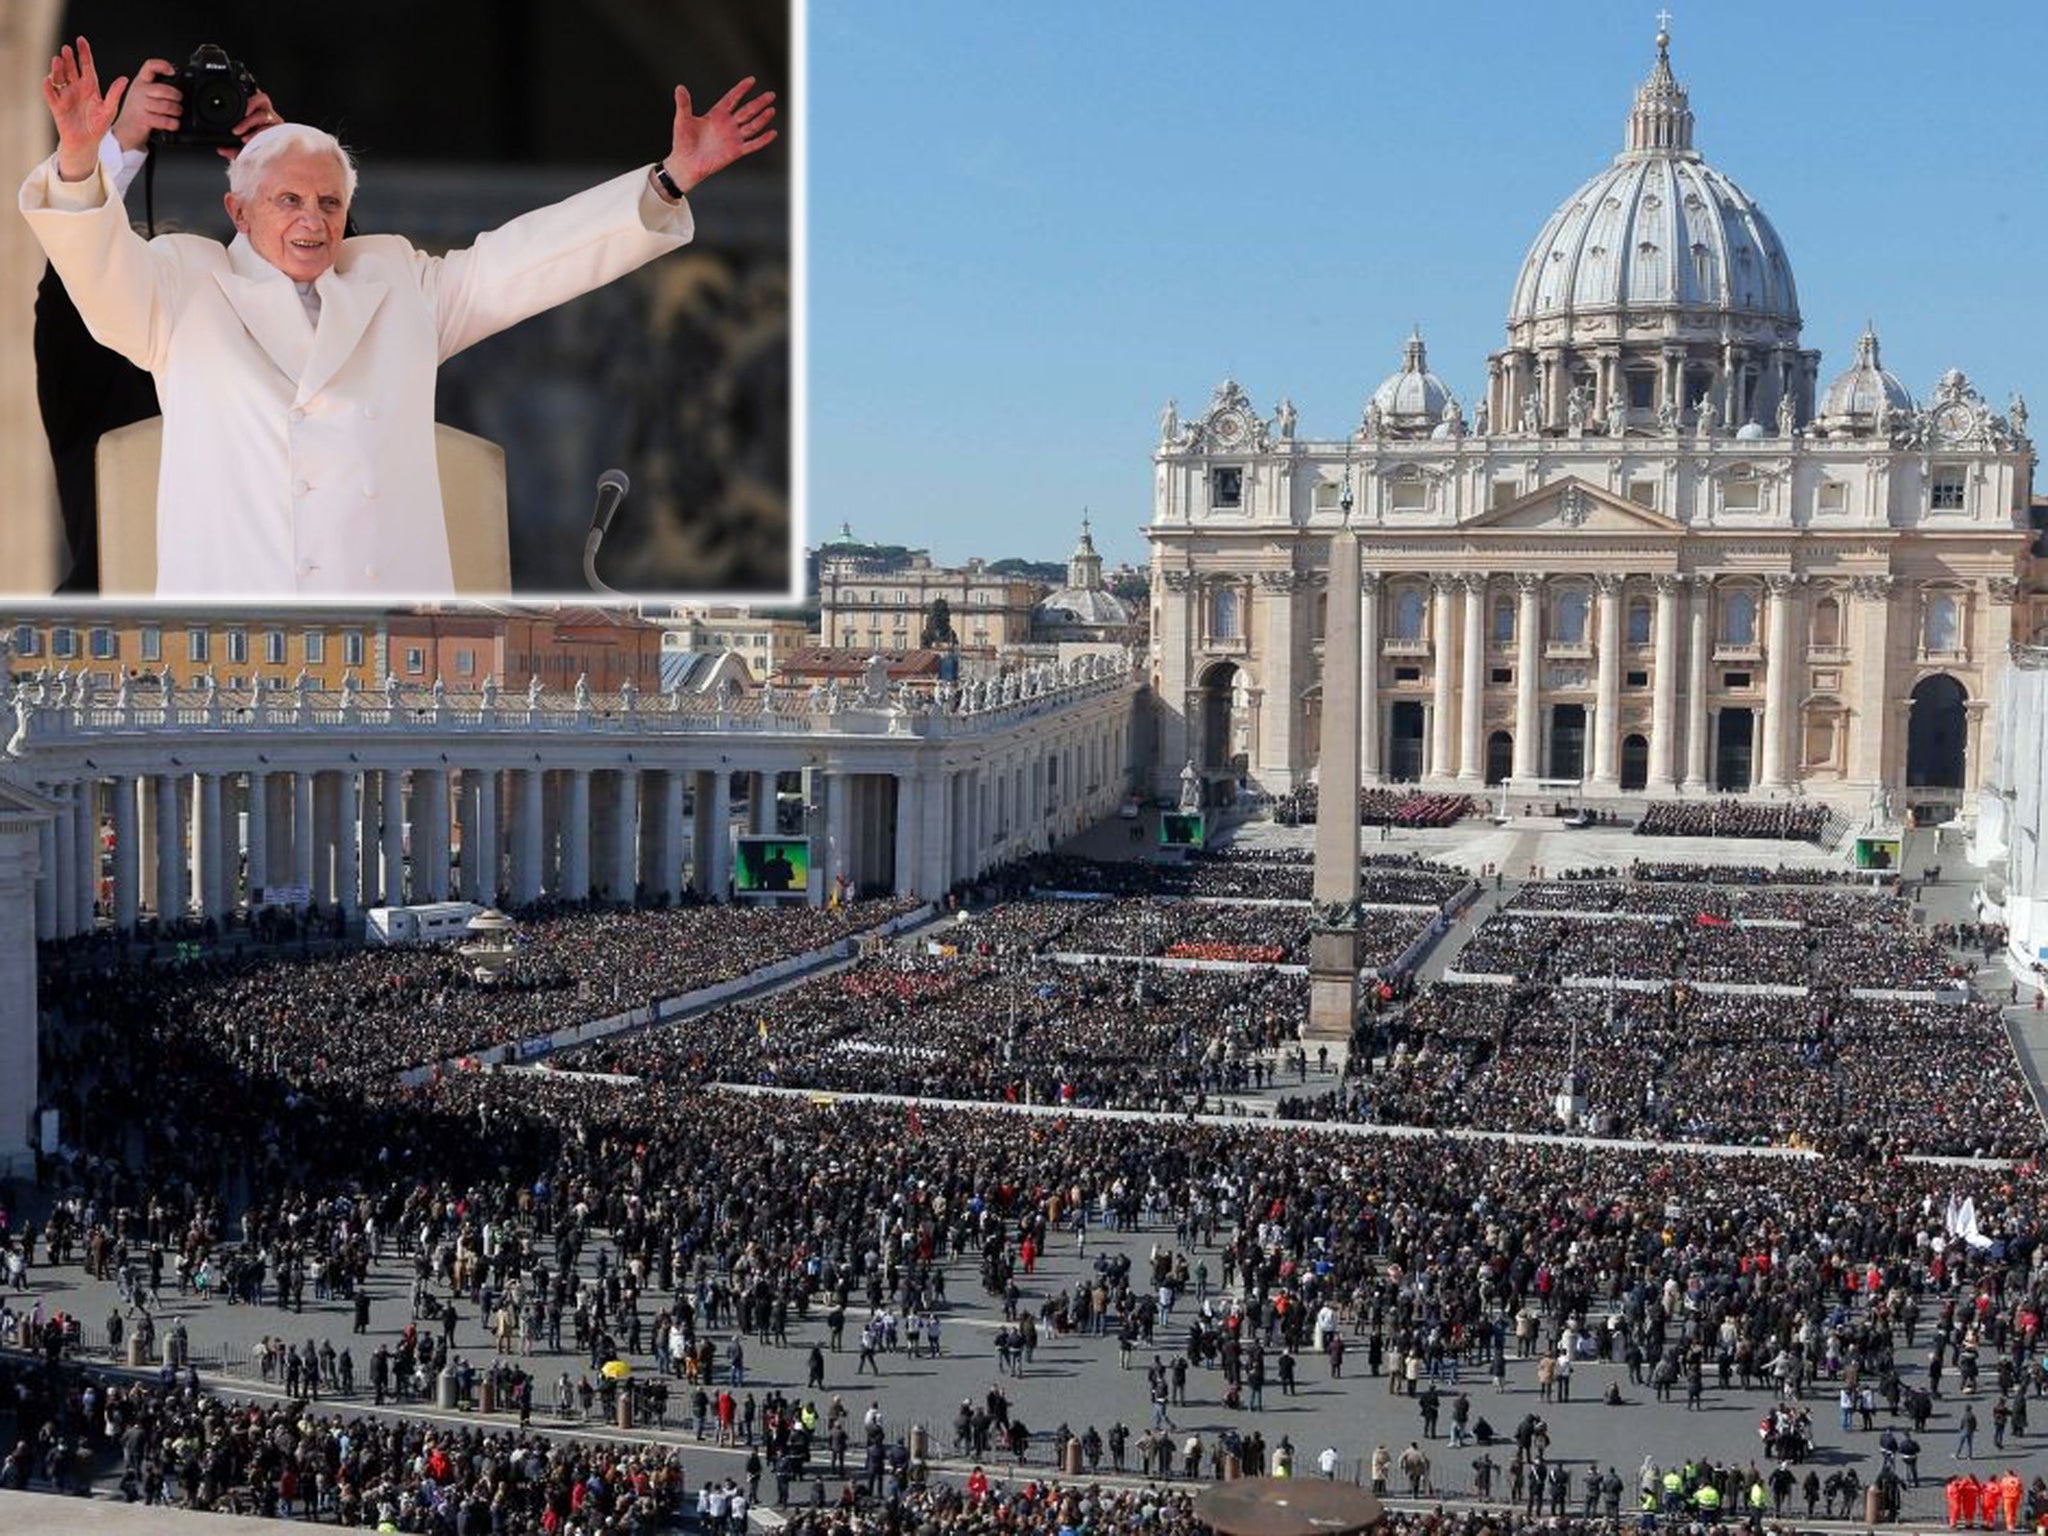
pixel 1377 807
pixel 1790 821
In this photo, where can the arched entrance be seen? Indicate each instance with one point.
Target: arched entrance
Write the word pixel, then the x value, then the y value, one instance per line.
pixel 1567 741
pixel 1935 734
pixel 1404 741
pixel 1635 761
pixel 1220 717
pixel 1500 757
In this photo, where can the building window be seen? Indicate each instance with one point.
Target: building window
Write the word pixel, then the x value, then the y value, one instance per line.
pixel 1226 614
pixel 1827 624
pixel 351 647
pixel 1638 622
pixel 63 642
pixel 26 641
pixel 273 647
pixel 1938 624
pixel 1328 496
pixel 1503 621
pixel 1738 618
pixel 1834 496
pixel 415 659
pixel 316 647
pixel 1743 491
pixel 197 647
pixel 1226 487
pixel 1408 493
pixel 103 646
pixel 465 663
pixel 152 643
pixel 1407 674
pixel 1642 390
pixel 1820 743
pixel 1504 493
pixel 1946 493
pixel 1638 679
pixel 1571 616
pixel 1408 614
pixel 1500 675
pixel 238 646
pixel 1643 493
pixel 1735 682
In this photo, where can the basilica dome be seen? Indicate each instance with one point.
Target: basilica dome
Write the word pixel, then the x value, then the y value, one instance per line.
pixel 1658 230
pixel 1414 397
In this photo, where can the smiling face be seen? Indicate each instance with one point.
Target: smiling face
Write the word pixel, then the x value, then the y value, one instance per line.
pixel 295 219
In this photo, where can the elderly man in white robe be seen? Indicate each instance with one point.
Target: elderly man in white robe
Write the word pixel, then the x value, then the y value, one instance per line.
pixel 295 367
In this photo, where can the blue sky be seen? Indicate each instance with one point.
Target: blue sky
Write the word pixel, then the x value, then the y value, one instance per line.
pixel 1029 226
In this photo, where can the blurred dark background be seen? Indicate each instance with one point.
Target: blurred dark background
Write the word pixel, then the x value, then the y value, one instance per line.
pixel 464 113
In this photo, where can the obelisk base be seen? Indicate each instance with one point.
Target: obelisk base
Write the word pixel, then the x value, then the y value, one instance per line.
pixel 1332 985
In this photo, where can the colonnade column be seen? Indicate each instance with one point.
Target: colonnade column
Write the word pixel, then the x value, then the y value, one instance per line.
pixel 127 856
pixel 85 851
pixel 302 830
pixel 1664 700
pixel 49 897
pixel 1528 662
pixel 528 825
pixel 576 837
pixel 370 874
pixel 1778 678
pixel 1867 764
pixel 487 862
pixel 432 808
pixel 209 879
pixel 392 796
pixel 170 864
pixel 624 853
pixel 909 828
pixel 668 837
pixel 1443 641
pixel 1369 677
pixel 1607 677
pixel 257 855
pixel 1472 703
pixel 348 869
pixel 1699 651
pixel 721 834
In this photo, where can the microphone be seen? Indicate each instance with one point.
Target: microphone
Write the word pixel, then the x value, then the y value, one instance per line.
pixel 612 486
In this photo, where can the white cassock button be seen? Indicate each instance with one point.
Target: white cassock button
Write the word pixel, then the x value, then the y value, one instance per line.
pixel 307 567
pixel 299 488
pixel 298 414
pixel 370 572
pixel 370 489
pixel 369 413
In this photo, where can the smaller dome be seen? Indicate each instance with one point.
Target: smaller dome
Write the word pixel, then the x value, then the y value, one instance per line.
pixel 1749 432
pixel 1414 397
pixel 1860 393
pixel 1091 608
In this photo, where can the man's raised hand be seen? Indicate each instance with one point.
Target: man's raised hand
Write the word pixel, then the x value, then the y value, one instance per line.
pixel 81 112
pixel 701 147
pixel 152 102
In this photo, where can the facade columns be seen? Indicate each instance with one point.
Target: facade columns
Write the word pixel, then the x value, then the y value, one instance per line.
pixel 127 856
pixel 1471 725
pixel 1780 667
pixel 64 864
pixel 1698 652
pixel 1368 679
pixel 1443 601
pixel 1873 668
pixel 1528 666
pixel 1664 702
pixel 721 834
pixel 430 831
pixel 1607 709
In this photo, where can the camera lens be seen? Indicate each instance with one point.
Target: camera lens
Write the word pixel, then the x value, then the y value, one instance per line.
pixel 217 104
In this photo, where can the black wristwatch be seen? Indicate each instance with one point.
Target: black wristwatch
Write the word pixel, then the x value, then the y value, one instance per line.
pixel 667 182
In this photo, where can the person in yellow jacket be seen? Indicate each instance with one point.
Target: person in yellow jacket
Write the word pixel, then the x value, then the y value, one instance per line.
pixel 1707 1500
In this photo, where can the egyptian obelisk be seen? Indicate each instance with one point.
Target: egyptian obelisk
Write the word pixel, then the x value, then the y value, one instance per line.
pixel 1333 942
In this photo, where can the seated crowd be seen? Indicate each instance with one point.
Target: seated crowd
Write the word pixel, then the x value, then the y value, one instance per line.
pixel 1792 821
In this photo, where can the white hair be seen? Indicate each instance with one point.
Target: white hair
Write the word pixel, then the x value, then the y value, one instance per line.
pixel 245 171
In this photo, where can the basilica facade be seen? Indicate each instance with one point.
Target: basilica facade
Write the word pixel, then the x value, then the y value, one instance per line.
pixel 1662 553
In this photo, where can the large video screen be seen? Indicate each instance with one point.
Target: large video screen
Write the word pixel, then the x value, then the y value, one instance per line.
pixel 1180 829
pixel 771 866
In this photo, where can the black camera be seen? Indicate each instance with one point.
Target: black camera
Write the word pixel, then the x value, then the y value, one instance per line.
pixel 217 91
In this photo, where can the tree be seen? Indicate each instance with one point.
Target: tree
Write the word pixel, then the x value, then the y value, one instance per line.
pixel 938 625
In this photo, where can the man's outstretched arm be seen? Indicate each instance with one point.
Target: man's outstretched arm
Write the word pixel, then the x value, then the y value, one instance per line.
pixel 553 254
